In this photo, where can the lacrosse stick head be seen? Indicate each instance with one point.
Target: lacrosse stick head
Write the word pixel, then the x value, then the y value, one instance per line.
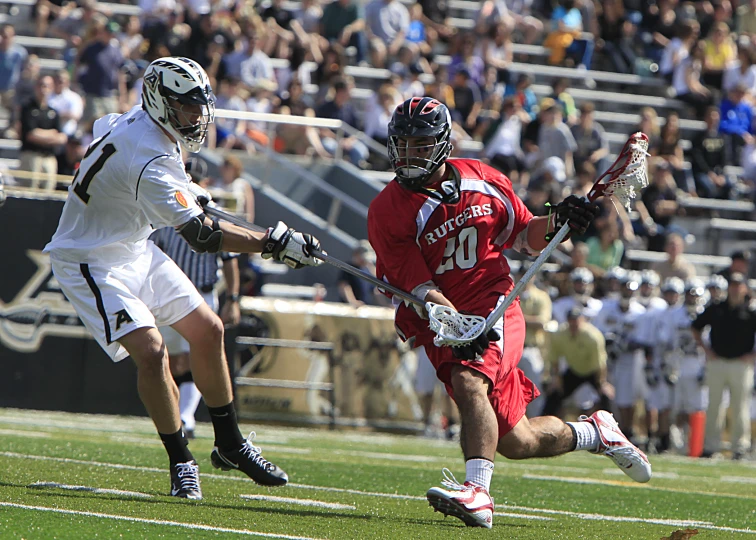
pixel 627 176
pixel 453 328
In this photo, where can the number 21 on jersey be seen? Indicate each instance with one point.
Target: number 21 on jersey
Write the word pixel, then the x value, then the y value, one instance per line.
pixel 80 188
pixel 461 250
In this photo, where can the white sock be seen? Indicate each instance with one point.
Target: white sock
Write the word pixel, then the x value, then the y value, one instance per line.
pixel 587 435
pixel 189 398
pixel 479 472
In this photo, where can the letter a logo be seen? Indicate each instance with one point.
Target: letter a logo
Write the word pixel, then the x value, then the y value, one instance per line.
pixel 122 317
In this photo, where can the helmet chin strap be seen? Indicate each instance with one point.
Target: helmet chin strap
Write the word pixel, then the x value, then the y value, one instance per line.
pixel 449 189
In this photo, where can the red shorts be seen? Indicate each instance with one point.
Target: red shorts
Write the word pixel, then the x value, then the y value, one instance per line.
pixel 512 390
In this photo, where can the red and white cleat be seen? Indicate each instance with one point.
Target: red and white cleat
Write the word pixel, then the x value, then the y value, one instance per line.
pixel 469 502
pixel 614 445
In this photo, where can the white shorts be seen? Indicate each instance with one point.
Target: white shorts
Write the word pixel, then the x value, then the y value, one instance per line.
pixel 660 397
pixel 690 395
pixel 175 342
pixel 113 302
pixel 425 376
pixel 628 380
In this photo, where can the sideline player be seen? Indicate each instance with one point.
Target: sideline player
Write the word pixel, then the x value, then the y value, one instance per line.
pixel 122 286
pixel 439 230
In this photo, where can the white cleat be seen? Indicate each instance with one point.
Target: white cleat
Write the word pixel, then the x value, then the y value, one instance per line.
pixel 469 502
pixel 614 445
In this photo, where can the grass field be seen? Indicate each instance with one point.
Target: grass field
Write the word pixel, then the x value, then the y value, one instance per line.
pixel 54 468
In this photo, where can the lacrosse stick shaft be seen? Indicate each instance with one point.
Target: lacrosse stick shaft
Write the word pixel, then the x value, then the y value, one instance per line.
pixel 498 313
pixel 341 265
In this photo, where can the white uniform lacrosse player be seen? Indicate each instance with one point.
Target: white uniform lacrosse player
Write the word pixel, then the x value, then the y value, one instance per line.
pixel 683 357
pixel 130 182
pixel 619 321
pixel 582 286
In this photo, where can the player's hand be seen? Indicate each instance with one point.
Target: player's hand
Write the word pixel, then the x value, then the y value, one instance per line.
pixel 231 313
pixel 475 348
pixel 290 247
pixel 576 211
pixel 200 194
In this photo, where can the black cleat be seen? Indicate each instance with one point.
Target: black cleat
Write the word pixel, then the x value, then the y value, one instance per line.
pixel 185 481
pixel 249 460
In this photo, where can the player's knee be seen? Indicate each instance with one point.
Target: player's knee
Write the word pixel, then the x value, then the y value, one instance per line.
pixel 151 358
pixel 211 333
pixel 467 383
pixel 517 444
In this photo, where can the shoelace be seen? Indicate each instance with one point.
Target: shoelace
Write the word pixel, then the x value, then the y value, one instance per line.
pixel 255 453
pixel 188 474
pixel 451 482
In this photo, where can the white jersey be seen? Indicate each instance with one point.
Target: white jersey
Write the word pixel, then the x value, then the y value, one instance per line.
pixel 652 303
pixel 130 182
pixel 562 306
pixel 677 338
pixel 650 321
pixel 622 325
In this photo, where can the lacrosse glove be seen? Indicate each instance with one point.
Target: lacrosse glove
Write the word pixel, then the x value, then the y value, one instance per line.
pixel 576 211
pixel 475 348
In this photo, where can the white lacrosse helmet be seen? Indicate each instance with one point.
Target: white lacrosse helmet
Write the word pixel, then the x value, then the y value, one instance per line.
pixel 177 95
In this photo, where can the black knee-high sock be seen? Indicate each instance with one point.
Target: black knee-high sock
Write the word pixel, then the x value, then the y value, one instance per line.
pixel 177 447
pixel 226 426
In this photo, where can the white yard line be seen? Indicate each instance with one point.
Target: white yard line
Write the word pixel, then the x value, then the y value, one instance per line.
pixel 300 502
pixel 738 479
pixel 153 521
pixel 90 489
pixel 28 434
pixel 523 516
pixel 623 484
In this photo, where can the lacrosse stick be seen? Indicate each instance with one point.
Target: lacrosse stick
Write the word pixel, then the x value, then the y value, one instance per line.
pixel 624 180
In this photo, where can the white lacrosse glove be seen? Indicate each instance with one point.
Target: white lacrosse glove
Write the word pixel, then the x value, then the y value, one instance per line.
pixel 290 247
pixel 200 194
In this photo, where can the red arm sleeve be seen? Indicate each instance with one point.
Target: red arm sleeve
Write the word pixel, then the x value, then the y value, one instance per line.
pixel 520 212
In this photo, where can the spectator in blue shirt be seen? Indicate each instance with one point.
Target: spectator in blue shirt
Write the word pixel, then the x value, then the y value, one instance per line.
pixel 102 81
pixel 737 122
pixel 341 108
pixel 12 60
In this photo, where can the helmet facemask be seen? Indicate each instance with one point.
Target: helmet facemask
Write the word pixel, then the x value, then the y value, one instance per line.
pixel 414 164
pixel 190 115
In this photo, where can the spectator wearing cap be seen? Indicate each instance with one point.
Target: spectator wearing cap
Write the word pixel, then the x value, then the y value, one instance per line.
pixel 12 59
pixel 102 80
pixel 343 22
pixel 536 307
pixel 708 159
pixel 729 364
pixel 592 144
pixel 41 135
pixel 340 107
pixel 467 99
pixel 387 24
pixel 740 264
pixel 606 250
pixel 352 290
pixel 675 265
pixel 737 122
pixel 555 138
pixel 582 347
pixel 67 103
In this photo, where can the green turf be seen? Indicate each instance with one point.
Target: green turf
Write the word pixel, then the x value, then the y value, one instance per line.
pixel 721 493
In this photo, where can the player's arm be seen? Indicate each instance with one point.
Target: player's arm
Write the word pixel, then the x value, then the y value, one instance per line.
pixel 578 212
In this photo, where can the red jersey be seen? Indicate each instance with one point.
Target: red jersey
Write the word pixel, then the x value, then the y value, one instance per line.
pixel 418 239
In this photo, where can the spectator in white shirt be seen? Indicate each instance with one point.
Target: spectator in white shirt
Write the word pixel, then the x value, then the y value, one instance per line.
pixel 503 150
pixel 387 25
pixel 743 71
pixel 256 67
pixel 68 104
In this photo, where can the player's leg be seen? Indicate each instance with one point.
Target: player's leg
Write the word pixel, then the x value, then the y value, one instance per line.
pixel 188 395
pixel 479 427
pixel 203 329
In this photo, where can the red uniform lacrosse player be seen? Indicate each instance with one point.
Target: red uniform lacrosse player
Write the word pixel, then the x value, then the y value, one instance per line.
pixel 439 230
